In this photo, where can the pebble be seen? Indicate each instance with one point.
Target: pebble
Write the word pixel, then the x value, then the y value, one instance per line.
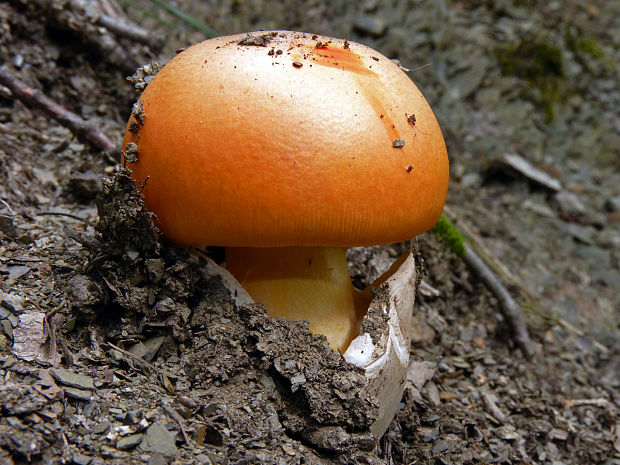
pixel 158 459
pixel 159 439
pixel 78 394
pixel 101 427
pixel 6 225
pixel 129 442
pixel 613 204
pixel 370 24
pixel 80 459
pixel 570 206
pixel 71 379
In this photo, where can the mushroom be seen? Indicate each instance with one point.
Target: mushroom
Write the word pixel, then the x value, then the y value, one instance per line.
pixel 288 148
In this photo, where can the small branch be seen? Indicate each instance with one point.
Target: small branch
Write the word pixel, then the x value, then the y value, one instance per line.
pixel 73 16
pixel 135 358
pixel 131 31
pixel 492 408
pixel 68 215
pixel 570 403
pixel 36 99
pixel 511 310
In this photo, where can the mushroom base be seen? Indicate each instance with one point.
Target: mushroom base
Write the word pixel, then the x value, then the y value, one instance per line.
pixel 301 283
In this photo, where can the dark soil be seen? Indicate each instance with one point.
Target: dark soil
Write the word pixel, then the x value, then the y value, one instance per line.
pixel 116 347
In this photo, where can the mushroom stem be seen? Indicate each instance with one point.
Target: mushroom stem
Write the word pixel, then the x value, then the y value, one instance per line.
pixel 301 283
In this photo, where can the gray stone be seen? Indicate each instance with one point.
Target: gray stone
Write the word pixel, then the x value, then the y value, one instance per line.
pixel 370 24
pixel 12 302
pixel 6 225
pixel 78 394
pixel 570 206
pixel 79 459
pixel 159 439
pixel 158 459
pixel 129 442
pixel 71 379
pixel 471 179
pixel 443 445
pixel 7 328
pixel 431 392
pixel 101 427
pixel 146 350
pixel 613 204
pixel 467 82
pixel 418 373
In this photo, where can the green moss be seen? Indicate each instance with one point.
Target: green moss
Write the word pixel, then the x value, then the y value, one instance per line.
pixel 541 65
pixel 531 60
pixel 589 52
pixel 447 233
pixel 589 46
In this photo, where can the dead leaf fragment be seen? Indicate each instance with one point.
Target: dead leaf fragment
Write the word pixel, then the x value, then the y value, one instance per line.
pixel 29 340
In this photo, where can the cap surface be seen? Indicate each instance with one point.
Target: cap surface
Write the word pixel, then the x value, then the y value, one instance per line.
pixel 288 139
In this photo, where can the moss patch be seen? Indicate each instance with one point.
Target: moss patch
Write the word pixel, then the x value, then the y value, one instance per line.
pixel 447 233
pixel 541 65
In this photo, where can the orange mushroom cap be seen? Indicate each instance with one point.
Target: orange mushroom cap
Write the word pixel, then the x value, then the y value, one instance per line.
pixel 282 138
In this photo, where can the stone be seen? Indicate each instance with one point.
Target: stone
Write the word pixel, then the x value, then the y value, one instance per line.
pixel 79 459
pixel 101 427
pixel 158 439
pixel 77 394
pixel 146 350
pixel 71 379
pixel 129 442
pixel 370 24
pixel 157 459
pixel 613 204
pixel 12 302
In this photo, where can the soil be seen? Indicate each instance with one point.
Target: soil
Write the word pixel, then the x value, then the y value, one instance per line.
pixel 117 347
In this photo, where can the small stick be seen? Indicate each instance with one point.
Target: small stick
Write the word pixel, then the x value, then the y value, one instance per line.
pixel 492 407
pixel 141 361
pixel 68 215
pixel 35 98
pixel 135 358
pixel 570 403
pixel 511 310
pixel 132 31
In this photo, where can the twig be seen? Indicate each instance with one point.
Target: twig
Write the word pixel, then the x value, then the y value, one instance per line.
pixel 68 215
pixel 8 207
pixel 72 15
pixel 135 358
pixel 177 417
pixel 142 362
pixel 132 31
pixel 492 407
pixel 570 403
pixel 511 310
pixel 35 98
